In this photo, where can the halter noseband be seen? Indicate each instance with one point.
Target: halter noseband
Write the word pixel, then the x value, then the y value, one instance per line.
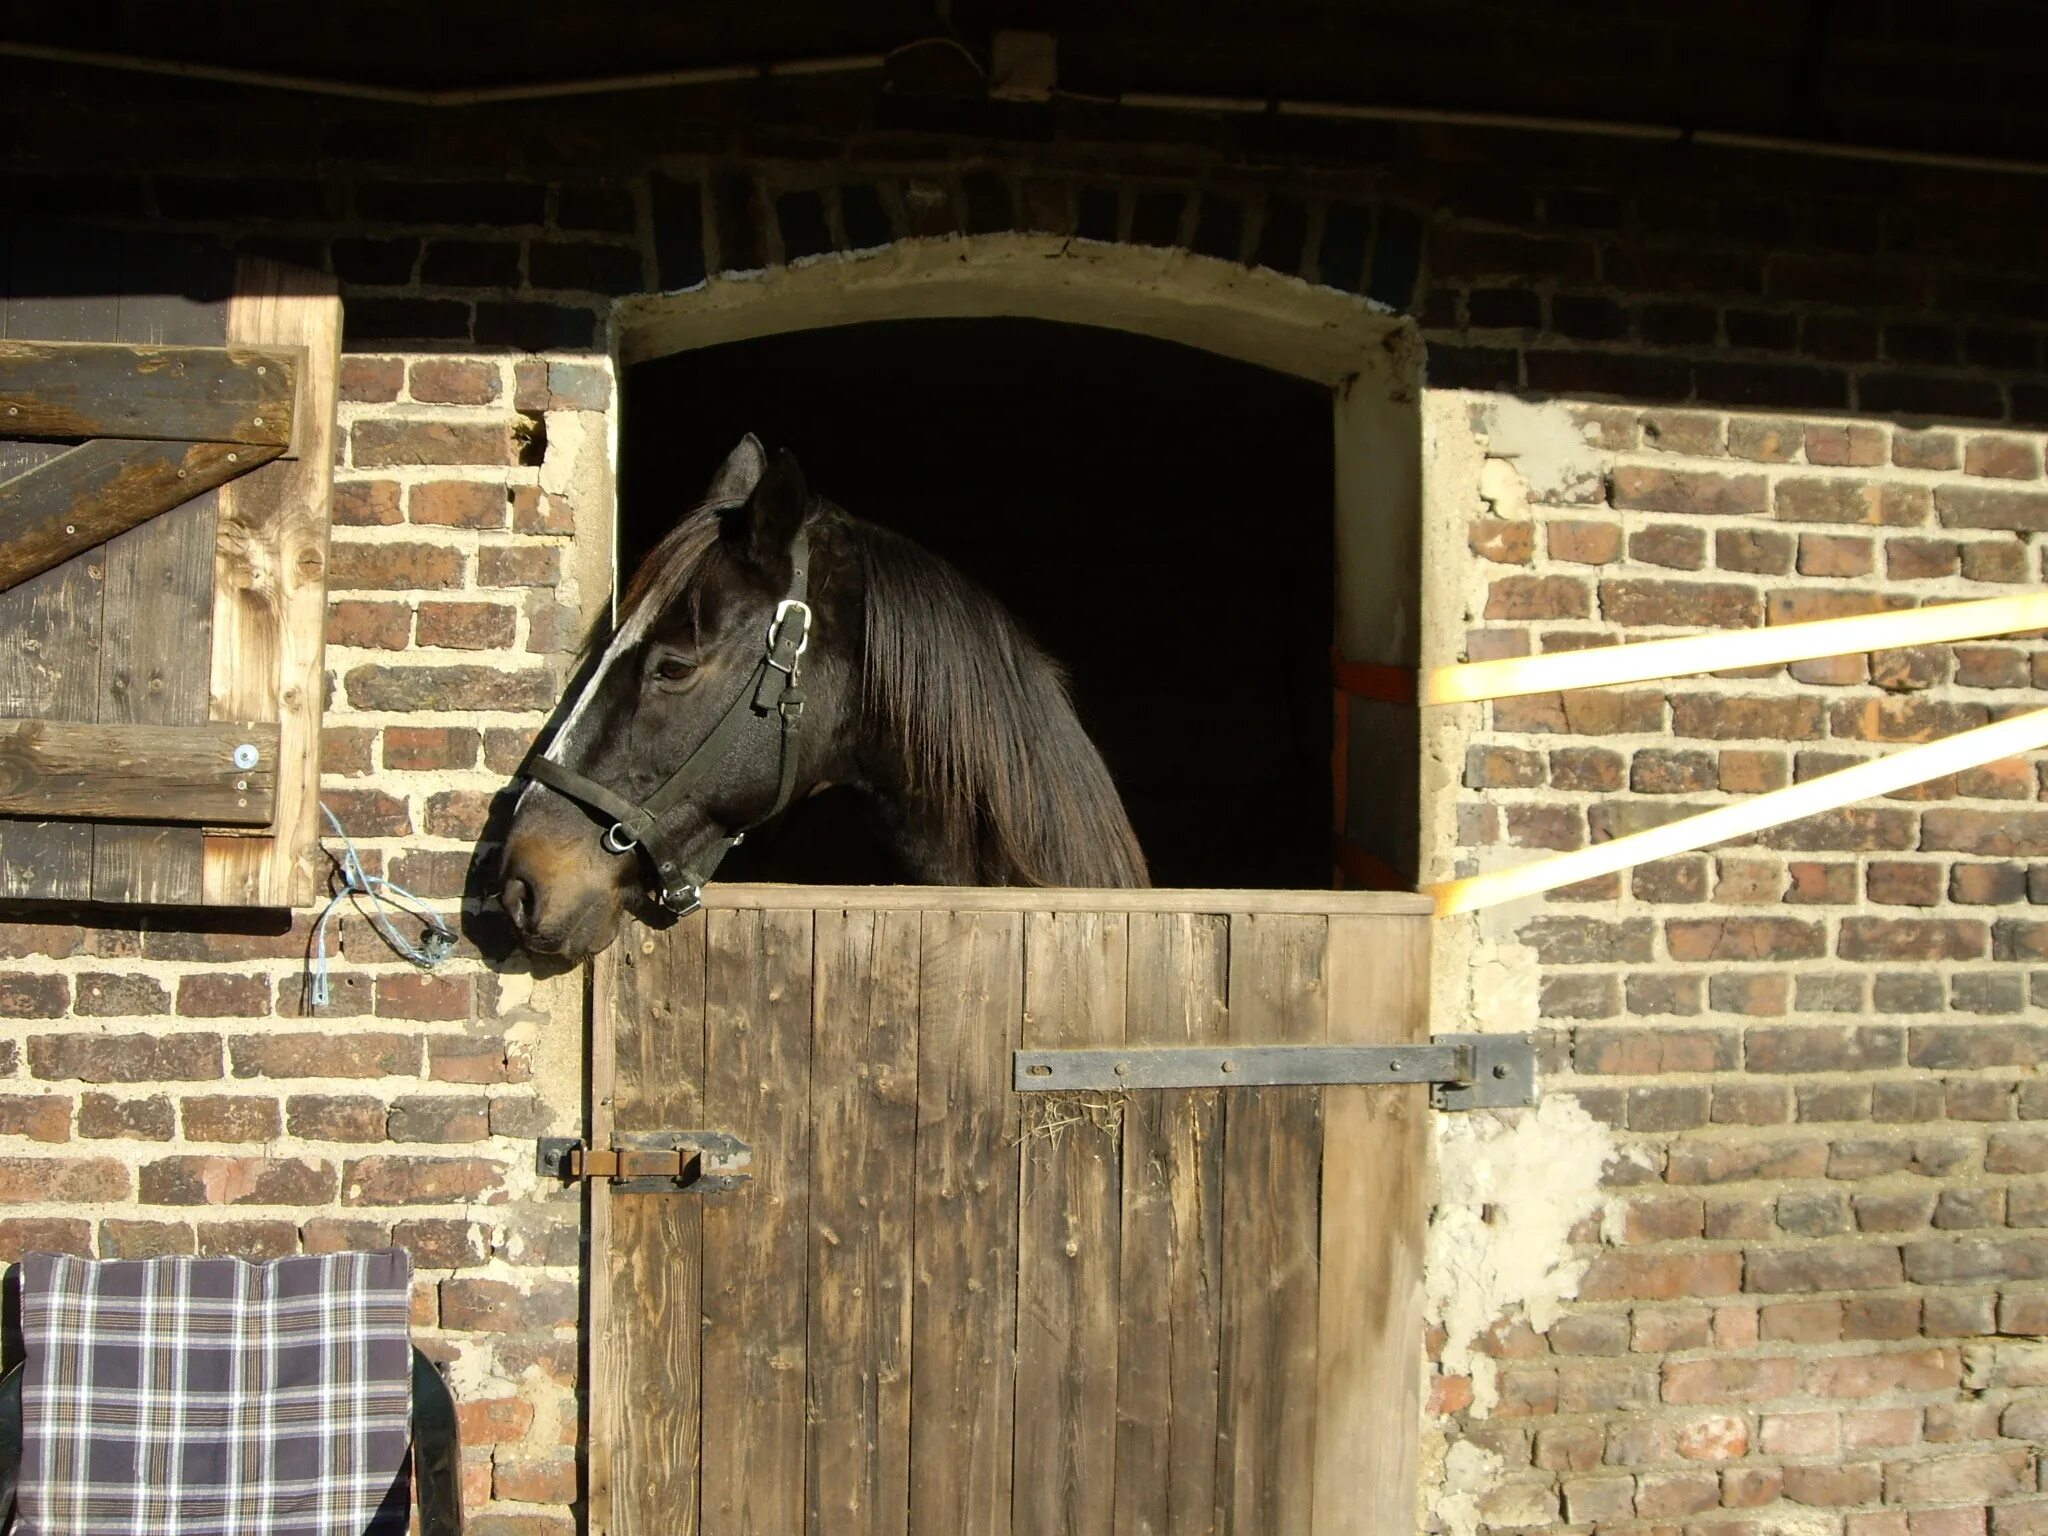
pixel 676 881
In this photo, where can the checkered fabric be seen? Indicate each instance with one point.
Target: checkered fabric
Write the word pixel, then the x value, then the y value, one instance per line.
pixel 212 1397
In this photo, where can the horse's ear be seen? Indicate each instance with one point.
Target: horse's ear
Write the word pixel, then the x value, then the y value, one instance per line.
pixel 764 528
pixel 740 473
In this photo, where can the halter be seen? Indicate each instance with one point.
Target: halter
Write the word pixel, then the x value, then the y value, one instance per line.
pixel 676 881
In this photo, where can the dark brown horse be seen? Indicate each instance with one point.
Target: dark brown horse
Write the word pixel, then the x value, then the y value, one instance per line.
pixel 773 645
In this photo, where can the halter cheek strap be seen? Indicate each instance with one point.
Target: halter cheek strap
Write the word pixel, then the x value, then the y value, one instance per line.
pixel 677 880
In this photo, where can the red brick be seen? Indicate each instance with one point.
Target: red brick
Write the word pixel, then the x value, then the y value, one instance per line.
pixel 1851 501
pixel 1718 717
pixel 422 1181
pixel 337 1117
pixel 1670 545
pixel 1690 494
pixel 496 1306
pixel 1893 883
pixel 459 1059
pixel 1828 554
pixel 1502 541
pixel 325 1055
pixel 540 567
pixel 1718 1437
pixel 102 1116
pixel 1729 1380
pixel 467 626
pixel 1972 1477
pixel 379 443
pixel 1639 603
pixel 1995 560
pixel 371 380
pixel 1583 543
pixel 125 1058
pixel 374 626
pixel 1731 1162
pixel 1764 441
pixel 425 748
pixel 365 503
pixel 237 1181
pixel 1625 1275
pixel 493 1420
pixel 1755 550
pixel 1993 834
pixel 24 995
pixel 393 566
pixel 537 1480
pixel 1924 450
pixel 1975 506
pixel 220 996
pixel 440 689
pixel 230 1117
pixel 146 1239
pixel 1879 938
pixel 1538 597
pixel 1801 1434
pixel 1744 938
pixel 1921 559
pixel 1826 1267
pixel 1832 1487
pixel 449 381
pixel 2002 458
pixel 1859 1376
pixel 1846 445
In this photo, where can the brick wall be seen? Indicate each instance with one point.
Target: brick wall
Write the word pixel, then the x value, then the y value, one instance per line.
pixel 1813 1289
pixel 1809 1290
pixel 171 1089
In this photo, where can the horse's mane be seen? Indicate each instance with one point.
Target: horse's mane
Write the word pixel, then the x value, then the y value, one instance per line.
pixel 1019 789
pixel 978 712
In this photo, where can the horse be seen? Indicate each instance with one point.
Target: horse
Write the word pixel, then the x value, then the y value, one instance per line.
pixel 772 645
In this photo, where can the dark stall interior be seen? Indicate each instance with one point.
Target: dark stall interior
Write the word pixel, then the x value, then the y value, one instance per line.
pixel 1158 517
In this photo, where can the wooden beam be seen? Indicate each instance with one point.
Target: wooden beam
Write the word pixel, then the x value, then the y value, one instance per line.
pixel 270 587
pixel 1879 776
pixel 1729 650
pixel 62 770
pixel 179 394
pixel 100 489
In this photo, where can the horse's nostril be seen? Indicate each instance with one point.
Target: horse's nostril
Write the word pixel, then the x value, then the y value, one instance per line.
pixel 517 900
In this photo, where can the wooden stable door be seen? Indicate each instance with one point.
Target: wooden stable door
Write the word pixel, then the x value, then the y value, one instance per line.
pixel 943 1307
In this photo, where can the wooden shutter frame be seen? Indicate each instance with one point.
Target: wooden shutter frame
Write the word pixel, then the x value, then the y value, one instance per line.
pixel 163 424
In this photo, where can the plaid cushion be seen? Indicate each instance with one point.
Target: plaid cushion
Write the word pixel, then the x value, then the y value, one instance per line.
pixel 211 1397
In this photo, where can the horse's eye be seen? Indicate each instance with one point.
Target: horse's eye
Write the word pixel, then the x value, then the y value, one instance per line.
pixel 672 669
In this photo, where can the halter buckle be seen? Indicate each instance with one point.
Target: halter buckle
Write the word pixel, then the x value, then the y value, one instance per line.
pixel 682 900
pixel 617 839
pixel 788 608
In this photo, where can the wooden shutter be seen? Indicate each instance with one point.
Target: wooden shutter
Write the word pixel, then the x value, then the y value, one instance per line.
pixel 166 447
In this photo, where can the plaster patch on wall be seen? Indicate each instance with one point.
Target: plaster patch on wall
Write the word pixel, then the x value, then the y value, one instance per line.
pixel 1468 1474
pixel 1549 448
pixel 1510 1190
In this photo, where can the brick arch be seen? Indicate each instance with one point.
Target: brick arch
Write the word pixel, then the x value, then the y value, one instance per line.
pixel 736 219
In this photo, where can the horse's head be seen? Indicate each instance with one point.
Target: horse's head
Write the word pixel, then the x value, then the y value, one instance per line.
pixel 715 702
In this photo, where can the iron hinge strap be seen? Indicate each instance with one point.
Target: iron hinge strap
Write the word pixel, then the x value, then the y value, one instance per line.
pixel 667 1162
pixel 1462 1071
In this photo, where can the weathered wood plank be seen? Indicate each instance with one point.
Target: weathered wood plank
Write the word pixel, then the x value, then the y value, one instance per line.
pixel 757 1041
pixel 1375 1207
pixel 863 1123
pixel 645 1431
pixel 1010 898
pixel 87 495
pixel 270 587
pixel 1272 1149
pixel 183 773
pixel 61 282
pixel 1171 1244
pixel 160 583
pixel 1069 1223
pixel 64 388
pixel 964 1319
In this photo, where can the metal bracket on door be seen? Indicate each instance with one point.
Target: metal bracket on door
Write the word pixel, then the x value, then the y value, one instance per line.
pixel 1462 1071
pixel 654 1163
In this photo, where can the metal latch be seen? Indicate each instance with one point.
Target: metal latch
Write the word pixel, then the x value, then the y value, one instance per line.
pixel 656 1163
pixel 1462 1071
